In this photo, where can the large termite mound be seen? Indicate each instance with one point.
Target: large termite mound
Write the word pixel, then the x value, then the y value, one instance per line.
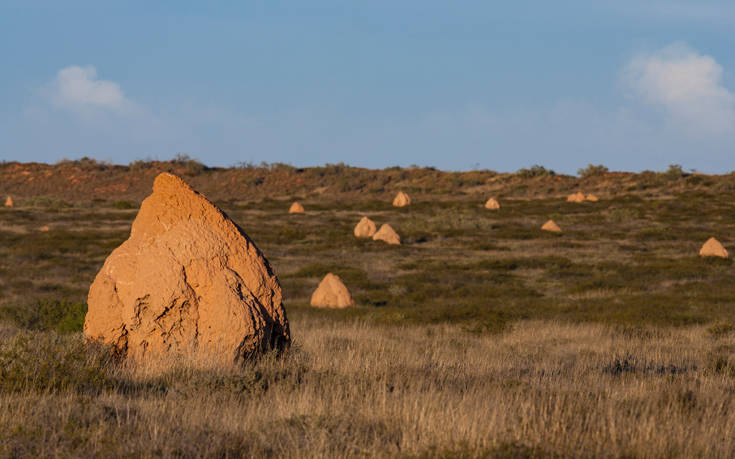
pixel 188 278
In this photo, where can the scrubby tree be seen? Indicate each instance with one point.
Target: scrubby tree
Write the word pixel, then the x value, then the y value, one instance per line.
pixel 592 170
pixel 535 171
pixel 674 171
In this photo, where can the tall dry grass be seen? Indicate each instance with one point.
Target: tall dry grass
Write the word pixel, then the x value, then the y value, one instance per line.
pixel 349 389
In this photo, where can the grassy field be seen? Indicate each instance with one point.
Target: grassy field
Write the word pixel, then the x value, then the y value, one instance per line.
pixel 479 336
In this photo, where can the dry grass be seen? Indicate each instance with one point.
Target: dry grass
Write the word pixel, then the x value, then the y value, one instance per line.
pixel 481 336
pixel 347 389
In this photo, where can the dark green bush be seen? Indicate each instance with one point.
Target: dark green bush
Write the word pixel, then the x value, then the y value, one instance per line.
pixel 47 362
pixel 123 205
pixel 535 171
pixel 60 316
pixel 190 166
pixel 675 171
pixel 43 201
pixel 592 170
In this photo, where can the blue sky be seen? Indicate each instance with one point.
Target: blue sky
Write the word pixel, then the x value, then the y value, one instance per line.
pixel 457 85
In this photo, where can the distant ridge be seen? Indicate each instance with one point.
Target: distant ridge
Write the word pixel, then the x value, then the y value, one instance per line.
pixel 87 180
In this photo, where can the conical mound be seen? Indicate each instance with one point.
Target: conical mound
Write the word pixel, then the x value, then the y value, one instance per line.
pixel 387 234
pixel 187 278
pixel 296 208
pixel 365 228
pixel 551 226
pixel 576 197
pixel 713 248
pixel 492 204
pixel 401 200
pixel 592 198
pixel 8 202
pixel 331 293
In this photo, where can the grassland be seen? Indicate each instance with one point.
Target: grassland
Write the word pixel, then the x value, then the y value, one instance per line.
pixel 480 336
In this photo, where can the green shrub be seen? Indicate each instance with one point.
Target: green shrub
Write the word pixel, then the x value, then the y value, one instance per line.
pixel 592 170
pixel 623 215
pixel 697 180
pixel 123 205
pixel 535 171
pixel 191 166
pixel 85 163
pixel 47 362
pixel 140 165
pixel 284 167
pixel 675 171
pixel 43 201
pixel 61 316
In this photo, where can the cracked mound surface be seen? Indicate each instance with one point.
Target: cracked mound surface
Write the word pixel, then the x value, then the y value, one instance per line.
pixel 187 278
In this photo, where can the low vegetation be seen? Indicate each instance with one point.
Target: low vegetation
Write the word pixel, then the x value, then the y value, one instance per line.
pixel 538 389
pixel 535 171
pixel 593 171
pixel 479 336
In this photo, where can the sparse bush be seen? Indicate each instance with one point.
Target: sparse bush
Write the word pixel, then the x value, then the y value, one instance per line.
pixel 647 180
pixel 281 167
pixel 85 163
pixel 674 172
pixel 191 166
pixel 43 201
pixel 123 205
pixel 592 171
pixel 697 180
pixel 623 215
pixel 244 165
pixel 46 362
pixel 61 316
pixel 535 171
pixel 254 180
pixel 140 165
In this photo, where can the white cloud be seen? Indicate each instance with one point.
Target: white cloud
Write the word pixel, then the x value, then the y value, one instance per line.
pixel 77 88
pixel 687 86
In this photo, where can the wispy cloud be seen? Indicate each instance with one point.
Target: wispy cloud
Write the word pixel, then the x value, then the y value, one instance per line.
pixel 687 86
pixel 78 88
